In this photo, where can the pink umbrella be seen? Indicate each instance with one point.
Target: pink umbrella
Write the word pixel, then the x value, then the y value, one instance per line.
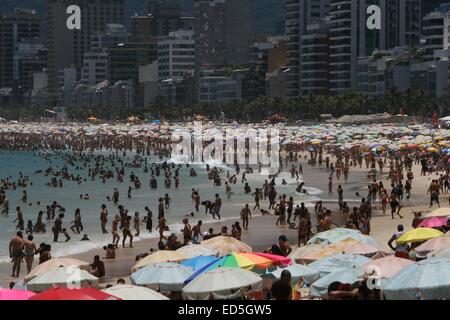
pixel 278 260
pixel 8 294
pixel 434 222
pixel 434 244
pixel 387 267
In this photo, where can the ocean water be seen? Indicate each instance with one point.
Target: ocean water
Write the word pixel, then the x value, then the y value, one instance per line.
pixel 11 163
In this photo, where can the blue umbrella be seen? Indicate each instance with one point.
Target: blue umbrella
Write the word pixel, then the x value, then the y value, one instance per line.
pixel 297 271
pixel 199 262
pixel 338 262
pixel 168 275
pixel 430 277
pixel 350 275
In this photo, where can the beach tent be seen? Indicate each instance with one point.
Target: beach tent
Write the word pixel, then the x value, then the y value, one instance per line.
pixel 158 257
pixel 297 271
pixel 349 275
pixel 73 294
pixel 429 277
pixel 195 250
pixel 11 294
pixel 221 283
pixel 419 235
pixel 338 262
pixel 130 292
pixel 169 276
pixel 226 245
pixel 62 277
pixel 55 263
pixel 386 267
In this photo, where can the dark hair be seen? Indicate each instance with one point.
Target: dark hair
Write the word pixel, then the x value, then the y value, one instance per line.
pixel 334 286
pixel 281 290
pixel 30 237
pixel 282 238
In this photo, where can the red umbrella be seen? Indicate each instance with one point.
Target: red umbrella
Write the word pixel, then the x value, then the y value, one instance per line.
pixel 73 294
pixel 277 260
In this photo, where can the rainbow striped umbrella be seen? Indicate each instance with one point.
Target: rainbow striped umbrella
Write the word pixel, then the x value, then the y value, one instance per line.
pixel 243 260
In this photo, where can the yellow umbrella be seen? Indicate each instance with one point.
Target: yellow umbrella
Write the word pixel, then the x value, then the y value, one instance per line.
pixel 226 245
pixel 441 212
pixel 419 235
pixel 432 149
pixel 158 257
pixel 443 143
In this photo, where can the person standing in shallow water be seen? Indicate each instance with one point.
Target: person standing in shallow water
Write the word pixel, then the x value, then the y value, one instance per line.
pixel 245 215
pixel 104 218
pixel 16 246
pixel 57 227
pixel 29 252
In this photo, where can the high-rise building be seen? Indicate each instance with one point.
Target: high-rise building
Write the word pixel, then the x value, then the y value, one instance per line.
pixel 17 27
pixel 110 37
pixel 30 57
pixel 163 16
pixel 315 60
pixel 176 55
pixel 436 31
pixel 222 32
pixel 67 47
pixel 299 14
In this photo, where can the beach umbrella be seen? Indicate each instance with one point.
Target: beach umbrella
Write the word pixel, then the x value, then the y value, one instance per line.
pixel 349 275
pixel 244 260
pixel 297 271
pixel 339 234
pixel 221 282
pixel 347 245
pixel 73 294
pixel 430 277
pixel 299 253
pixel 434 222
pixel 130 292
pixel 168 275
pixel 419 235
pixel 441 212
pixel 159 256
pixel 386 267
pixel 55 263
pixel 11 294
pixel 199 262
pixel 443 253
pixel 195 250
pixel 338 262
pixel 226 245
pixel 62 277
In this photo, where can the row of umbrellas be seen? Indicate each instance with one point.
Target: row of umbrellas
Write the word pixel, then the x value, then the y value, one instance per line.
pixel 337 255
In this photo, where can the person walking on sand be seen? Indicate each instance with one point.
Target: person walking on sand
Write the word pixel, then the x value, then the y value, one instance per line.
pixel 245 216
pixel 16 246
pixel 104 218
pixel 29 252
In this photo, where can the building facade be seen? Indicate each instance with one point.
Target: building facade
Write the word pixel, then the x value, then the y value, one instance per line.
pixel 176 55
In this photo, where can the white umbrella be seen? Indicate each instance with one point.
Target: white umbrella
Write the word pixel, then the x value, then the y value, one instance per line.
pixel 55 263
pixel 221 282
pixel 130 292
pixel 195 250
pixel 297 271
pixel 168 275
pixel 63 277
